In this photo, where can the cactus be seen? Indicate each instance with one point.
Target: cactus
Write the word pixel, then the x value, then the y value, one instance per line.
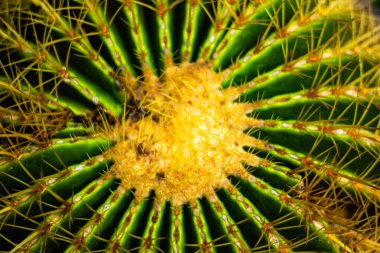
pixel 189 126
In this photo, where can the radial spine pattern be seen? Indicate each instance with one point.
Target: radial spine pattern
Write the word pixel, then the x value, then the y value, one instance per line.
pixel 189 126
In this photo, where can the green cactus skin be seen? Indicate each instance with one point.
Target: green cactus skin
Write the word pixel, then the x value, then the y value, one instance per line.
pixel 308 69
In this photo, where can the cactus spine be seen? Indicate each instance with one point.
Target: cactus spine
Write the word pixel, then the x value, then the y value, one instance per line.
pixel 189 126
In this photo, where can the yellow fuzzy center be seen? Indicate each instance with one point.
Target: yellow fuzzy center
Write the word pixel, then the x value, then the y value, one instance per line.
pixel 190 141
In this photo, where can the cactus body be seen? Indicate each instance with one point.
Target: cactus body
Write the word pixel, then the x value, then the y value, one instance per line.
pixel 189 126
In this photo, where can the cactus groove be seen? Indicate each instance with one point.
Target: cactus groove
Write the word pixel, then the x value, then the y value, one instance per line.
pixel 189 126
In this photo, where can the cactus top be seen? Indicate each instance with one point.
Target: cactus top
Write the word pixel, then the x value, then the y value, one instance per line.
pixel 189 143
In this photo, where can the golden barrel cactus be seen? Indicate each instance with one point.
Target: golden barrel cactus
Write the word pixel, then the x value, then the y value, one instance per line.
pixel 189 126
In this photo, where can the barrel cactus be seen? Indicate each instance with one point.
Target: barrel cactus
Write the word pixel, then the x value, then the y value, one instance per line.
pixel 189 126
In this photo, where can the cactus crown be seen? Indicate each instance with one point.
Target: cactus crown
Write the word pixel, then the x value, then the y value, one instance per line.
pixel 186 142
pixel 189 126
